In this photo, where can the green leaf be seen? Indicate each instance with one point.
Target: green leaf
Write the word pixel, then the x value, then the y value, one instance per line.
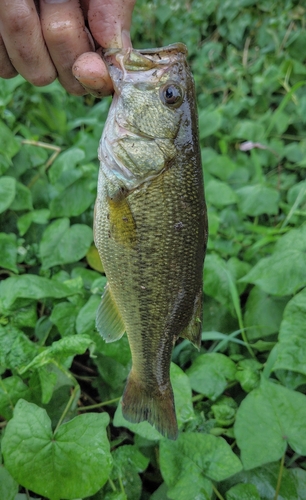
pixel 113 372
pixel 7 192
pixel 220 166
pixel 248 374
pixel 11 390
pixel 243 492
pixel 258 200
pixel 291 347
pixel 130 454
pixel 284 272
pixel 88 276
pixel 29 287
pixel 210 373
pixel 9 144
pixel 183 406
pixel 64 165
pixel 128 462
pixel 160 493
pixel 62 244
pixel 60 350
pixel 224 411
pixel 38 216
pixel 16 350
pixel 23 198
pixel 74 200
pixel 219 194
pixel 209 122
pixel 8 252
pixel 76 461
pixel 86 319
pixel 182 395
pixel 263 313
pixel 189 464
pixel 249 130
pixel 216 279
pixel 8 485
pixel 268 419
pixel 64 316
pixel 293 482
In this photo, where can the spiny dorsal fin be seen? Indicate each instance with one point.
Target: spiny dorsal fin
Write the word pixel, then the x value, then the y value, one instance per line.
pixel 108 321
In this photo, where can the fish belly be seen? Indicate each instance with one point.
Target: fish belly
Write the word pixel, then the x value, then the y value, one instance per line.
pixel 151 242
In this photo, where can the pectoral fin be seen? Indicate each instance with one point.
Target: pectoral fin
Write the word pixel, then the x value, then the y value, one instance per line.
pixel 194 329
pixel 108 321
pixel 122 223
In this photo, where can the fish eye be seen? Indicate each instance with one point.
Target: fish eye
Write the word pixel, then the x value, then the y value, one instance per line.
pixel 172 94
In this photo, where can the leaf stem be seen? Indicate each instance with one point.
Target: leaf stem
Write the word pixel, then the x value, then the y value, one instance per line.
pixel 216 492
pixel 27 494
pixel 98 405
pixel 112 485
pixel 40 144
pixel 121 485
pixel 56 151
pixel 67 408
pixel 279 479
pixel 237 307
pixel 196 398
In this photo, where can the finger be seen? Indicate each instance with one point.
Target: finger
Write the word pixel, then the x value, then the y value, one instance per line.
pixel 109 19
pixel 91 72
pixel 7 70
pixel 21 33
pixel 66 37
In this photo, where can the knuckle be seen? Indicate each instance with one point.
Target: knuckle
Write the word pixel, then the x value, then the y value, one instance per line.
pixel 61 32
pixel 18 21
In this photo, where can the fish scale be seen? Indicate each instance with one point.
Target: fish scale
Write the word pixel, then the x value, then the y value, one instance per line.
pixel 151 236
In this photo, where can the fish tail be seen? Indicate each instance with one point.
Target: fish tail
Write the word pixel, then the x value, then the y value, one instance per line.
pixel 157 407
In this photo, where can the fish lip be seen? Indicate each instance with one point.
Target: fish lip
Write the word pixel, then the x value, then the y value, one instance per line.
pixel 178 47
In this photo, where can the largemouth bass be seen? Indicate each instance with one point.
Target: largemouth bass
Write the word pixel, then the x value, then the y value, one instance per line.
pixel 150 223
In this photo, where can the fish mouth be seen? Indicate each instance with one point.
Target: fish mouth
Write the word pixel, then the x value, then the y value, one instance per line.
pixel 141 67
pixel 141 59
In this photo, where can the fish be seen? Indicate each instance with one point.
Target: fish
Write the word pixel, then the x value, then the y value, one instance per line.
pixel 150 223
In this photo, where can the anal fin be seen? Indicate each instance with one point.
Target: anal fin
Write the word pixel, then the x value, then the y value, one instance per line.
pixel 193 330
pixel 108 320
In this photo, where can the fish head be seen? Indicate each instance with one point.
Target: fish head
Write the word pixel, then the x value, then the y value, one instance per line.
pixel 148 112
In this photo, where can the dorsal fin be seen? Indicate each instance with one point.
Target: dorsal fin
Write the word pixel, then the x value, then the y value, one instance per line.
pixel 108 320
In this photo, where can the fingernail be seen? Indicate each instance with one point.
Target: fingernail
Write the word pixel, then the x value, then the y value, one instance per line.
pixel 126 39
pixel 56 1
pixel 90 38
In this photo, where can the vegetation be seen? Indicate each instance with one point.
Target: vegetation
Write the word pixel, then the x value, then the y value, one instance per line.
pixel 241 401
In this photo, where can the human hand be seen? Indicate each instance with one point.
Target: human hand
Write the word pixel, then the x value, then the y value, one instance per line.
pixel 44 46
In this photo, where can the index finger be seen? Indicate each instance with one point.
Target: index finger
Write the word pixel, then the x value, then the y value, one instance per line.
pixel 110 22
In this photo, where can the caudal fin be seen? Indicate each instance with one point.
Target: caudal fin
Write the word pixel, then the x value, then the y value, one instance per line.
pixel 157 407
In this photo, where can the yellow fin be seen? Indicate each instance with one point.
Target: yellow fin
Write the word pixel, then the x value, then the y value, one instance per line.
pixel 140 403
pixel 193 330
pixel 108 320
pixel 122 223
